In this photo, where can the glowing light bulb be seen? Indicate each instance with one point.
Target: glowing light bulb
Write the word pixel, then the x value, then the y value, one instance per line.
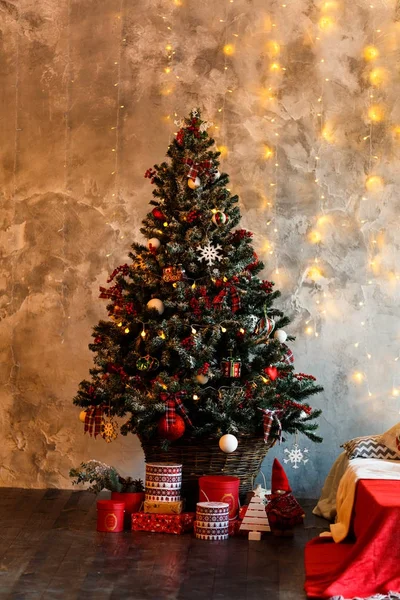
pixel 370 53
pixel 314 273
pixel 165 224
pixel 273 48
pixel 396 132
pixel 395 392
pixel 195 397
pixel 378 76
pixel 323 220
pixel 374 183
pixel 326 23
pixel 314 237
pixel 168 47
pixel 143 334
pixel 327 133
pixel 119 324
pixel 167 70
pixel 126 330
pixel 268 152
pixel 223 150
pixel 309 330
pixel 194 331
pixel 241 330
pixel 358 376
pixel 330 5
pixel 193 286
pixel 229 49
pixel 376 113
pixel 162 335
pixel 275 67
pixel 223 329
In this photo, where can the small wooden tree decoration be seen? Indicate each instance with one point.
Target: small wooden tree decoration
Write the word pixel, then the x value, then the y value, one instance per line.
pixel 255 520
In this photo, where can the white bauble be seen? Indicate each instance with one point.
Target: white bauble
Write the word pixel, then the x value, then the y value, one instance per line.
pixel 303 414
pixel 154 243
pixel 228 443
pixel 280 335
pixel 202 379
pixel 157 304
pixel 215 176
pixel 82 416
pixel 194 183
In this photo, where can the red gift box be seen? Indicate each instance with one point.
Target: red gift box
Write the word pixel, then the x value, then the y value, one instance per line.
pixel 163 523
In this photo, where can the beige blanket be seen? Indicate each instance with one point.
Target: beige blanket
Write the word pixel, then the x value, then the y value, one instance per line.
pixel 359 468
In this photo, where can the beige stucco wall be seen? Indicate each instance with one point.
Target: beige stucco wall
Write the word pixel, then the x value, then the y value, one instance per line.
pixel 87 107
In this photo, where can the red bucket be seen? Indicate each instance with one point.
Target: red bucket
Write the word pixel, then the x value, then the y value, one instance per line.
pixel 221 488
pixel 110 516
pixel 133 502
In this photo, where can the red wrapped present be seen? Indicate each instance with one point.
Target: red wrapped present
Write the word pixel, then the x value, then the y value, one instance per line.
pixel 157 523
pixel 234 527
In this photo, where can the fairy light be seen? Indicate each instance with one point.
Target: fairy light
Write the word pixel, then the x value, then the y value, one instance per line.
pixel 194 331
pixel 370 53
pixel 223 329
pixel 126 330
pixel 374 183
pixel 376 113
pixel 326 23
pixel 229 49
pixel 268 152
pixel 120 324
pixel 195 397
pixel 378 76
pixel 358 376
pixel 144 333
pixel 162 335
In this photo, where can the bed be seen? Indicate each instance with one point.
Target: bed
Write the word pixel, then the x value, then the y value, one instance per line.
pixel 360 556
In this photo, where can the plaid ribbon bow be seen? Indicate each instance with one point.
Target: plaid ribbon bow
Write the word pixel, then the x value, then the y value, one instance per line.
pixel 173 403
pixel 228 288
pixel 196 169
pixel 269 416
pixel 93 419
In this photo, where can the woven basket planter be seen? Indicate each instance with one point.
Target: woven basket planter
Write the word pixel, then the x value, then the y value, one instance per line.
pixel 203 457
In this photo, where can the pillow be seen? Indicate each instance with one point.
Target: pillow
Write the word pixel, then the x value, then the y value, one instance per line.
pixel 391 438
pixel 370 446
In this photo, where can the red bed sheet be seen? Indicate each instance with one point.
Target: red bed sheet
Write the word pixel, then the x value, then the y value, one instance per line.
pixel 369 562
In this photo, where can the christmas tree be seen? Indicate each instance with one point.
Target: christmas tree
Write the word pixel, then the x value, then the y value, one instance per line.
pixel 193 345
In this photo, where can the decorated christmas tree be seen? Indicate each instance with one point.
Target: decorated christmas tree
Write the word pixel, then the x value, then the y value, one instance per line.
pixel 194 347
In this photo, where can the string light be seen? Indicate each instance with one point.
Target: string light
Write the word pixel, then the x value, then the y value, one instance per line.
pixel 371 53
pixel 229 49
pixel 358 376
pixel 374 183
pixel 376 113
pixel 126 330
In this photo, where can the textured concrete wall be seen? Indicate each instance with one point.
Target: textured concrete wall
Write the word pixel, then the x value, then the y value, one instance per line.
pixel 88 95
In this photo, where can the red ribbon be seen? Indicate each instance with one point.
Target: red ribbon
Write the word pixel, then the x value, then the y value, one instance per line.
pixel 196 169
pixel 228 288
pixel 93 419
pixel 173 403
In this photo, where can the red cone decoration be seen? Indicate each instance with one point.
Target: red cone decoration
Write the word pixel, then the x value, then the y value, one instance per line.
pixel 280 481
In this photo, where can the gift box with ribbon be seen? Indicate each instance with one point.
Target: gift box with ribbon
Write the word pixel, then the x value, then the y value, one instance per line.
pixel 176 524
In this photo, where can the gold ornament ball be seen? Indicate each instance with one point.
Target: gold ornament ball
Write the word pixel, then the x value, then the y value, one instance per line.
pixel 202 379
pixel 82 416
pixel 154 243
pixel 157 304
pixel 194 183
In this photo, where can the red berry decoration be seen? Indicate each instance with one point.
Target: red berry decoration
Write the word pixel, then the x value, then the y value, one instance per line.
pixel 272 373
pixel 174 431
pixel 158 214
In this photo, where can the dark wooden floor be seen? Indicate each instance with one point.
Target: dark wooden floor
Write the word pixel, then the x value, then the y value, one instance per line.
pixel 49 549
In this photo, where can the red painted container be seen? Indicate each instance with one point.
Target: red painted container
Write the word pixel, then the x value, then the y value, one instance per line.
pixel 110 516
pixel 133 502
pixel 221 488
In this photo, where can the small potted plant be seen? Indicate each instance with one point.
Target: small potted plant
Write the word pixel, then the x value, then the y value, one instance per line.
pixel 103 477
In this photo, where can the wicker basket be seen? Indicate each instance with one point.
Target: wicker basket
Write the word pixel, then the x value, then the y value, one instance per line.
pixel 203 457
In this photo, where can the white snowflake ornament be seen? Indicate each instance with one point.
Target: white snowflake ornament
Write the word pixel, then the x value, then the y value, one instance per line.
pixel 296 456
pixel 209 253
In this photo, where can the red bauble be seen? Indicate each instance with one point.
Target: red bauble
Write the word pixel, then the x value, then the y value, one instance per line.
pixel 157 214
pixel 272 373
pixel 174 431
